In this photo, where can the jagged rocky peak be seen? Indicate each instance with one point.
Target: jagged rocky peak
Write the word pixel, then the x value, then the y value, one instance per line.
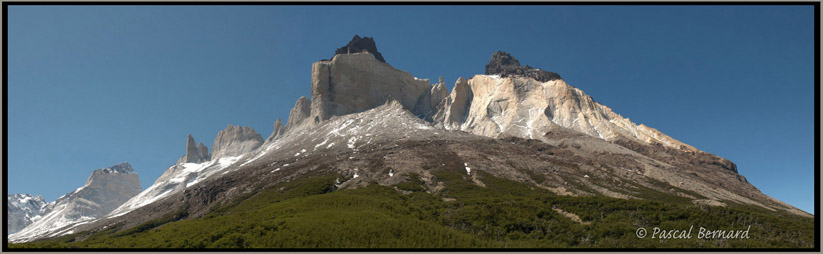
pixel 353 83
pixel 235 140
pixel 300 112
pixel 195 153
pixel 278 130
pixel 503 64
pixel 359 45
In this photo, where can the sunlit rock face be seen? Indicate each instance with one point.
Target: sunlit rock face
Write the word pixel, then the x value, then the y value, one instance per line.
pixel 356 81
pixel 523 106
pixel 234 141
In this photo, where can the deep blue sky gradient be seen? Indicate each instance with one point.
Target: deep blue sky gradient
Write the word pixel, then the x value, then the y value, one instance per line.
pixel 91 86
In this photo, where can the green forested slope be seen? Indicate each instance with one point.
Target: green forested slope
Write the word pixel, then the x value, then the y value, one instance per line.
pixel 309 213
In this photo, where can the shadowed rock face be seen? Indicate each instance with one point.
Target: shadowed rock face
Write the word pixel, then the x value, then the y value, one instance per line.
pixel 359 45
pixel 503 64
pixel 455 107
pixel 428 103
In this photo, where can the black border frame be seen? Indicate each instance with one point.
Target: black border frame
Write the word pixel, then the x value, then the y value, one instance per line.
pixel 816 5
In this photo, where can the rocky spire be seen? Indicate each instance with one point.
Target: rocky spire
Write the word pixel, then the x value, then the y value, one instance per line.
pixel 301 111
pixel 503 64
pixel 195 153
pixel 361 44
pixel 278 130
pixel 455 107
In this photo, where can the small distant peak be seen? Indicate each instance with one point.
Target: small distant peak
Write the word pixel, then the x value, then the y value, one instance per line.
pixel 18 196
pixel 359 45
pixel 504 64
pixel 122 168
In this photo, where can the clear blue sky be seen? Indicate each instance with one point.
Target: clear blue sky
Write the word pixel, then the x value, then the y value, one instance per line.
pixel 91 86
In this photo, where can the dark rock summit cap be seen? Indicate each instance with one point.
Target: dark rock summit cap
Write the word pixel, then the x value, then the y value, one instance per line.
pixel 123 168
pixel 359 45
pixel 503 64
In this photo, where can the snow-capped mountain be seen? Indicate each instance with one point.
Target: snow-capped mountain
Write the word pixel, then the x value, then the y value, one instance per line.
pixel 230 145
pixel 23 209
pixel 372 123
pixel 105 190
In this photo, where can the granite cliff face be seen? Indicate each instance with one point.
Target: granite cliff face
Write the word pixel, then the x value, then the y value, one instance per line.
pixel 527 108
pixel 454 108
pixel 353 83
pixel 105 190
pixel 358 80
pixel 23 209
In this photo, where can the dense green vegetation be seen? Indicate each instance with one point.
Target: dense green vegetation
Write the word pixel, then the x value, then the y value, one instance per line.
pixel 309 213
